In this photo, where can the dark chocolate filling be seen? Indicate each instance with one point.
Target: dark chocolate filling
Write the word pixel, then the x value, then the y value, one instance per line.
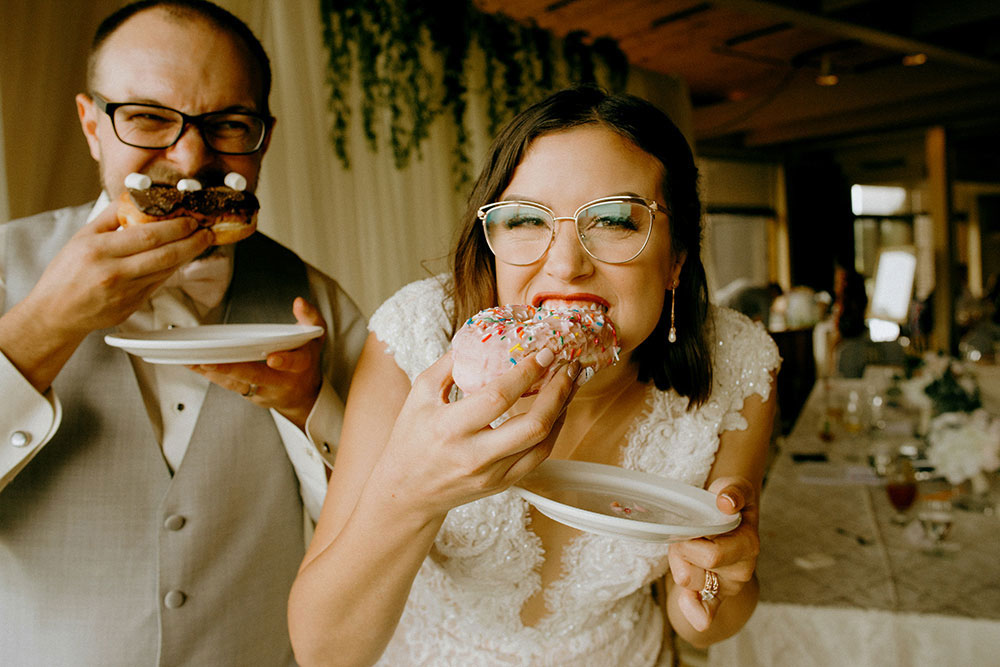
pixel 161 200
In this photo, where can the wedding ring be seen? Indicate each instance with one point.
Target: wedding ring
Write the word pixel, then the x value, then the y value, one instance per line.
pixel 711 589
pixel 251 390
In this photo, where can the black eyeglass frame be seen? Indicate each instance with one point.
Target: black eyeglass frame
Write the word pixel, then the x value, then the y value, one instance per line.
pixel 110 107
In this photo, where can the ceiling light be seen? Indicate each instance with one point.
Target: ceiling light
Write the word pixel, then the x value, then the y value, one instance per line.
pixel 826 76
pixel 914 59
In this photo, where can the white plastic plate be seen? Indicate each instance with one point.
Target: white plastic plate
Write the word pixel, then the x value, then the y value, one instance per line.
pixel 617 502
pixel 214 343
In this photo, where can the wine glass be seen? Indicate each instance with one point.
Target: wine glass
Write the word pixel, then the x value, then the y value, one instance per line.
pixel 853 418
pixel 936 517
pixel 833 411
pixel 901 487
pixel 881 457
pixel 876 409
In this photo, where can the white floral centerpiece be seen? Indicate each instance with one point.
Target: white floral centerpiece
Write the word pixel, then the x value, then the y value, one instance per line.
pixel 937 384
pixel 965 446
pixel 920 373
pixel 963 439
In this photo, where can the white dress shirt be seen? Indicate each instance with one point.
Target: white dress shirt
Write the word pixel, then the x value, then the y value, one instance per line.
pixel 173 395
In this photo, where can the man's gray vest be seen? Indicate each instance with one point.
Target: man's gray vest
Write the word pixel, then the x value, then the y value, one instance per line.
pixel 107 559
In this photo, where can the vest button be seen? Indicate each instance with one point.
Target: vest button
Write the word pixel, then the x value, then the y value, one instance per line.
pixel 174 599
pixel 174 522
pixel 20 438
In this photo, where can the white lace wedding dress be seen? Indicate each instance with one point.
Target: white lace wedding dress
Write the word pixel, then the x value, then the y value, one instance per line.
pixel 464 607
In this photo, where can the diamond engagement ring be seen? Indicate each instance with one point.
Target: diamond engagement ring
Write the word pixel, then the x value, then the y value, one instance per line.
pixel 711 588
pixel 251 390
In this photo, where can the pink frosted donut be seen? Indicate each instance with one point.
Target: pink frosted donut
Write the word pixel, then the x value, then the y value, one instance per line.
pixel 495 339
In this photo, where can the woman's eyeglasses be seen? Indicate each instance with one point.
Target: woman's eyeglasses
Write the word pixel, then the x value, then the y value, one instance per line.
pixel 611 229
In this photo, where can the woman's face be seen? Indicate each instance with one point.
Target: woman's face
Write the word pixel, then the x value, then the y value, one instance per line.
pixel 563 171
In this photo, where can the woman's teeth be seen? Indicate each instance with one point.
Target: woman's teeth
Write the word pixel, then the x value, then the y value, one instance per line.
pixel 553 304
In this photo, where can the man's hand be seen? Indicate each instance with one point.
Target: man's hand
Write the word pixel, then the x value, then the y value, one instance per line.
pixel 99 278
pixel 104 274
pixel 288 381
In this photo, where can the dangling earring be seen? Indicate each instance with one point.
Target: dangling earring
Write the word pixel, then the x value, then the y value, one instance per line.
pixel 672 334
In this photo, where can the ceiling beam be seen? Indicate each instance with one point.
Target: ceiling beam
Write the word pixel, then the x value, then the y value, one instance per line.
pixel 933 109
pixel 862 33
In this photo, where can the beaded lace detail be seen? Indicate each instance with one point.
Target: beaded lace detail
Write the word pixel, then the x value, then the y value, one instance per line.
pixel 465 604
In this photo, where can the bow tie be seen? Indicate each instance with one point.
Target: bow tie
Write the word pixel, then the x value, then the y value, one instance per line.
pixel 205 280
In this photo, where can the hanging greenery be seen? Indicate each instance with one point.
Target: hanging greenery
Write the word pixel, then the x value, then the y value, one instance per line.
pixel 411 58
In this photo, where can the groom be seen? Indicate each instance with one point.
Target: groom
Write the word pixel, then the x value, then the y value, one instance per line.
pixel 150 514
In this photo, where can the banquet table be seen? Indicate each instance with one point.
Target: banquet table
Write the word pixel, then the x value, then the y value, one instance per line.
pixel 841 584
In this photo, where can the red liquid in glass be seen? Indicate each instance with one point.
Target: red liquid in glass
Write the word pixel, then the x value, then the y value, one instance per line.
pixel 901 494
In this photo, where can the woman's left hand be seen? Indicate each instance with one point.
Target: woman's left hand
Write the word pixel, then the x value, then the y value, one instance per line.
pixel 731 556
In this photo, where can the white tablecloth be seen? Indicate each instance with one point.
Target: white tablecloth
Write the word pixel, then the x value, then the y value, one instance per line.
pixel 798 635
pixel 842 585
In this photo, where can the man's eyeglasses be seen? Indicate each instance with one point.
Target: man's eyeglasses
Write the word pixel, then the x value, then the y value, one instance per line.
pixel 156 127
pixel 611 229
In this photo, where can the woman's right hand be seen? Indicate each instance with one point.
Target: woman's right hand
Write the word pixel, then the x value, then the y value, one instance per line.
pixel 441 455
pixel 407 456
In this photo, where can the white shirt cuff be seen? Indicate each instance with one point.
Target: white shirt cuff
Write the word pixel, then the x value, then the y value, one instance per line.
pixel 311 454
pixel 28 420
pixel 325 421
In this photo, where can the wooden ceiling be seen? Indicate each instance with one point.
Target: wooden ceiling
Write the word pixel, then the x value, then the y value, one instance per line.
pixel 751 65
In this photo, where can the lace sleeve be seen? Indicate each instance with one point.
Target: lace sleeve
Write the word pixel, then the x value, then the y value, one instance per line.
pixel 415 324
pixel 745 356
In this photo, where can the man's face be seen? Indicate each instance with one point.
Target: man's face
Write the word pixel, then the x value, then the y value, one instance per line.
pixel 188 65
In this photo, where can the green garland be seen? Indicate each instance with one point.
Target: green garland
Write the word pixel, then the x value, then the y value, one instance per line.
pixel 410 58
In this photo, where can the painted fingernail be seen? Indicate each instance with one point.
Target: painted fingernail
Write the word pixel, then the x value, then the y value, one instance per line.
pixel 585 376
pixel 729 497
pixel 545 357
pixel 573 369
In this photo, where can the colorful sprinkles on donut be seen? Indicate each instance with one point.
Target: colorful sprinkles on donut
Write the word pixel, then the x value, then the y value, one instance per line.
pixel 497 338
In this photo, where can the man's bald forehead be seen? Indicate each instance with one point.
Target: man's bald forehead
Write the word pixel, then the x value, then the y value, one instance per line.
pixel 193 12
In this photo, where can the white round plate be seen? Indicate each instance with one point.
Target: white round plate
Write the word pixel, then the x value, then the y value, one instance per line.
pixel 617 502
pixel 214 343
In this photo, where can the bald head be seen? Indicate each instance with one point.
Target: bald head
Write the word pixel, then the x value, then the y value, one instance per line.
pixel 194 12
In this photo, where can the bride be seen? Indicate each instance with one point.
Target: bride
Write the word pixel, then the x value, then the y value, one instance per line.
pixel 423 555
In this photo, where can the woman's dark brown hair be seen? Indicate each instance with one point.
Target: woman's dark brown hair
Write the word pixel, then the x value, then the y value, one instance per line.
pixel 684 365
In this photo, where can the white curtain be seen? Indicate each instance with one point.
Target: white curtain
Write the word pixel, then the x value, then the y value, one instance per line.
pixel 43 48
pixel 374 227
pixel 4 203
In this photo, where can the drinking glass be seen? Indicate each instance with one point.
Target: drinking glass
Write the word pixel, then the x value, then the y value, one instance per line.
pixel 853 417
pixel 936 517
pixel 881 457
pixel 835 400
pixel 876 410
pixel 901 487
